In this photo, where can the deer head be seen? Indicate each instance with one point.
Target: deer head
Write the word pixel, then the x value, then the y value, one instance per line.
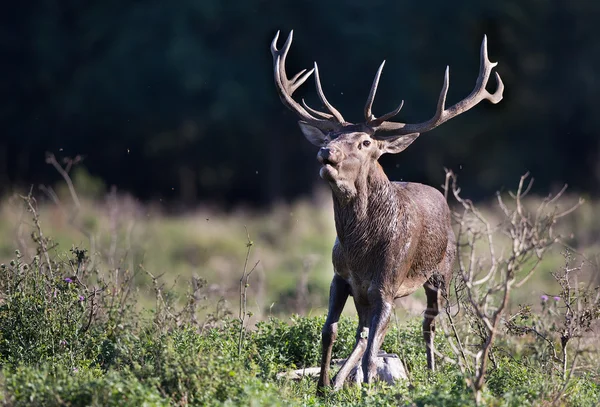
pixel 348 151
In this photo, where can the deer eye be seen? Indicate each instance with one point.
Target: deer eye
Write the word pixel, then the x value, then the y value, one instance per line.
pixel 366 143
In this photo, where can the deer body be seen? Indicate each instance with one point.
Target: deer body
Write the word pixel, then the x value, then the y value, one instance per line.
pixel 403 226
pixel 392 237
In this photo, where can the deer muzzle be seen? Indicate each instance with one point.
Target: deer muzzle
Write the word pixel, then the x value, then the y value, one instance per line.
pixel 329 155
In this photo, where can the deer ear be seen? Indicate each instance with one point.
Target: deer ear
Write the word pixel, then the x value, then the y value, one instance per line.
pixel 313 134
pixel 398 144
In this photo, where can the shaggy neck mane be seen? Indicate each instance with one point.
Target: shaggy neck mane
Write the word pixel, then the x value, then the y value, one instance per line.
pixel 367 217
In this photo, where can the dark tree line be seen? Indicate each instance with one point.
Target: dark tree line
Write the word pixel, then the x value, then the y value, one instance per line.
pixel 176 100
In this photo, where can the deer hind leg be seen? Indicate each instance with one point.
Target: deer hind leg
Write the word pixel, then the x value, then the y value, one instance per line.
pixel 338 294
pixel 437 284
pixel 429 322
pixel 359 348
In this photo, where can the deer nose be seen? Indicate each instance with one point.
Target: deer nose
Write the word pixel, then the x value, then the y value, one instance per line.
pixel 329 155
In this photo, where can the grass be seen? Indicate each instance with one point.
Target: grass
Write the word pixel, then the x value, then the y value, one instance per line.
pixel 111 335
pixel 119 232
pixel 292 241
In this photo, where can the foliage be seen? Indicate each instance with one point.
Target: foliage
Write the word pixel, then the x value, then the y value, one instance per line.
pixel 58 386
pixel 488 273
pixel 71 336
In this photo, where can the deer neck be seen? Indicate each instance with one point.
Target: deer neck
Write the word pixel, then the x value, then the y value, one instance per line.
pixel 370 214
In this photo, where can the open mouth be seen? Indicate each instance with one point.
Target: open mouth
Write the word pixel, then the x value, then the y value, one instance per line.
pixel 328 172
pixel 325 161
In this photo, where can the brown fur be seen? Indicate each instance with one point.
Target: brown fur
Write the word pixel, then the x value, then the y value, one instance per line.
pixel 392 238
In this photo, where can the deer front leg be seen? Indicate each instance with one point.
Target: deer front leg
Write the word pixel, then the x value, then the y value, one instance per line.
pixel 380 318
pixel 359 348
pixel 338 294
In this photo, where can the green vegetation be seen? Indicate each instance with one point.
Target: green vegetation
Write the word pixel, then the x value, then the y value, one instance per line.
pixel 123 357
pixel 77 331
pixel 292 241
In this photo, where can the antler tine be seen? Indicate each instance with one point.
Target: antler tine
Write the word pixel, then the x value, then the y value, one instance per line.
pixel 377 121
pixel 286 87
pixel 316 112
pixel 274 42
pixel 441 104
pixel 298 79
pixel 295 78
pixel 369 116
pixel 338 116
pixel 369 105
pixel 479 93
pixel 486 66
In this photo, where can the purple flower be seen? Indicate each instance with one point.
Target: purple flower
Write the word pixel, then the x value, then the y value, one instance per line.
pixel 68 280
pixel 75 370
pixel 81 298
pixel 544 298
pixel 557 298
pixel 63 342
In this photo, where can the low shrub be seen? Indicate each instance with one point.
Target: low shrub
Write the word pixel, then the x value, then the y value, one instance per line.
pixel 69 337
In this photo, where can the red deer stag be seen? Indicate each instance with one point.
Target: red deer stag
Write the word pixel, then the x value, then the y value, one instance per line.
pixel 392 237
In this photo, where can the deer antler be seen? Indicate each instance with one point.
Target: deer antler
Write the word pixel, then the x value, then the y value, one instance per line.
pixel 369 117
pixel 286 87
pixel 385 129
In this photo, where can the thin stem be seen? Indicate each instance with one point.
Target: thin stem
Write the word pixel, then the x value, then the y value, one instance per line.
pixel 244 292
pixel 29 200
